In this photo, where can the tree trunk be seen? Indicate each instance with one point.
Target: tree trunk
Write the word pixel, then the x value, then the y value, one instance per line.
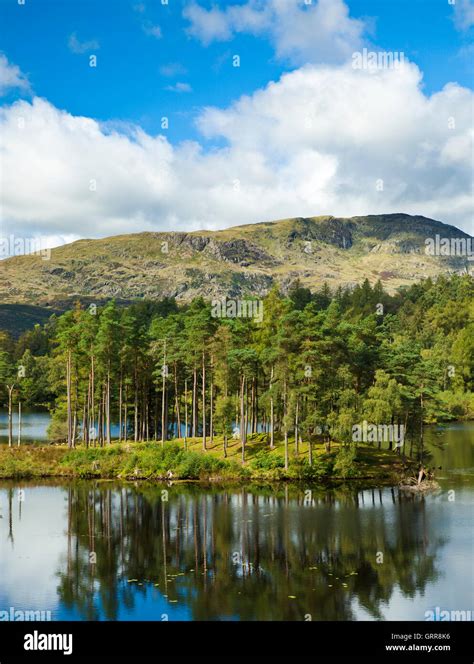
pixel 68 391
pixel 147 418
pixel 93 398
pixel 185 414
pixel 272 415
pixel 125 414
pixel 211 406
pixel 84 423
pixel 10 414
pixel 135 414
pixel 99 421
pixel 252 406
pixel 74 426
pixel 88 413
pixel 204 401
pixel 19 423
pixel 164 431
pixel 120 406
pixel 176 397
pixel 107 397
pixel 242 417
pixel 296 426
pixel 285 425
pixel 421 423
pixel 194 422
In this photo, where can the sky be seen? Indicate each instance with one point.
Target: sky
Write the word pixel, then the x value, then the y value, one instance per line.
pixel 159 115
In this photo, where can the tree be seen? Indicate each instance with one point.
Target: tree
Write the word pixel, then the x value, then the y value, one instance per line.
pixel 8 379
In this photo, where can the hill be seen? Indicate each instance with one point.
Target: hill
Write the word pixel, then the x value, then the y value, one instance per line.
pixel 17 318
pixel 233 262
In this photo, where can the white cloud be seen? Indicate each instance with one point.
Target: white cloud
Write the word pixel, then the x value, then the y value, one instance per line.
pixel 321 31
pixel 172 69
pixel 78 47
pixel 179 87
pixel 464 14
pixel 152 30
pixel 208 25
pixel 315 142
pixel 11 77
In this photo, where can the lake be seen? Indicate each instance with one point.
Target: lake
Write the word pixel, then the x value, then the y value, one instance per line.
pixel 34 425
pixel 115 551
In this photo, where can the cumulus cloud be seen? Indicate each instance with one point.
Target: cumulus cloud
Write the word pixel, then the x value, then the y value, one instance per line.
pixel 320 31
pixel 318 141
pixel 11 77
pixel 78 47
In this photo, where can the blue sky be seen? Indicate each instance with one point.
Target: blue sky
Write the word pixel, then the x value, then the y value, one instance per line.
pixel 128 85
pixel 176 60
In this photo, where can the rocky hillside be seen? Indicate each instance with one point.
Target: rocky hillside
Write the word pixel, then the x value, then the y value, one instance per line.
pixel 232 262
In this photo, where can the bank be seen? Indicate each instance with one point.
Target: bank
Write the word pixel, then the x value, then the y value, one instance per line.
pixel 152 461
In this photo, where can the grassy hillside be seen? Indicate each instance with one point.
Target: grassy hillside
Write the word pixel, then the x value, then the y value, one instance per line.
pixel 232 262
pixel 17 318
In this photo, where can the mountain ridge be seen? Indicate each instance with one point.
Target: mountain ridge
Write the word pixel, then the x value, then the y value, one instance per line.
pixel 234 262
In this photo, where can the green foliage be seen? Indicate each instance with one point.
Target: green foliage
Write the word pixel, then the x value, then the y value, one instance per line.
pixel 316 365
pixel 264 461
pixel 345 462
pixel 57 429
pixel 321 468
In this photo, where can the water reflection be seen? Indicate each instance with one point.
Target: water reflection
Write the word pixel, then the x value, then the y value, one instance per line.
pixel 104 550
pixel 237 554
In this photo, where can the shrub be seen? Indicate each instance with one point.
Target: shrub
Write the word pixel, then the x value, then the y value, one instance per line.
pixel 344 464
pixel 320 468
pixel 264 460
pixel 57 430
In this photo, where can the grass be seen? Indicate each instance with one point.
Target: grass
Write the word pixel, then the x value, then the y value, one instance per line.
pixel 133 461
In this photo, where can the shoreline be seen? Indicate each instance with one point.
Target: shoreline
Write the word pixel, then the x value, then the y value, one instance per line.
pixel 149 461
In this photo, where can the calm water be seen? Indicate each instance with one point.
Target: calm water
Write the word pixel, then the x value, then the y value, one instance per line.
pixel 242 554
pixel 34 425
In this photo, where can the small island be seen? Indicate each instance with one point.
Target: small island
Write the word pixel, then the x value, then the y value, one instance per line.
pixel 321 386
pixel 151 461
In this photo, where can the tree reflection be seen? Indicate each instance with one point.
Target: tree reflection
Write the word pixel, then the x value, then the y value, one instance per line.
pixel 250 554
